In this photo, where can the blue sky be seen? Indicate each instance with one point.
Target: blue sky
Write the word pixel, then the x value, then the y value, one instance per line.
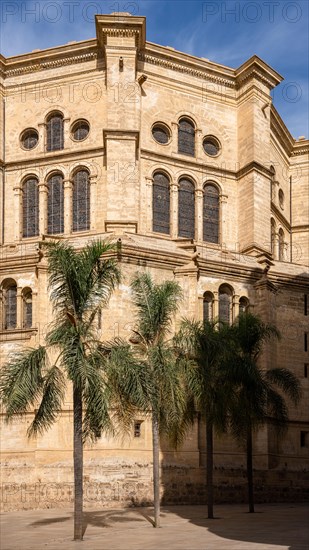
pixel 227 32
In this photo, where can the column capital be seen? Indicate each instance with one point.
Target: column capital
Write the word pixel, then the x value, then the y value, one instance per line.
pixel 17 189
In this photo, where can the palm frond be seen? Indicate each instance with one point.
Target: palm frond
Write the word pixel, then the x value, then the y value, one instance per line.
pixel 286 381
pixel 51 402
pixel 22 380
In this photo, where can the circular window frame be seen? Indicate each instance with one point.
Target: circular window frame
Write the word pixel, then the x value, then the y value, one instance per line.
pixel 215 141
pixel 72 130
pixel 22 137
pixel 165 127
pixel 281 198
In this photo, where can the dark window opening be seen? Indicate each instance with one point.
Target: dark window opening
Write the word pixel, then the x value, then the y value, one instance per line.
pixel 304 439
pixel 207 307
pixel 211 214
pixel 30 208
pixel 81 201
pixel 161 134
pixel 137 428
pixel 305 304
pixel 161 204
pixel 27 309
pixel 55 205
pixel 306 370
pixel 186 209
pixel 11 307
pixel 80 130
pixel 186 137
pixel 55 137
pixel 306 341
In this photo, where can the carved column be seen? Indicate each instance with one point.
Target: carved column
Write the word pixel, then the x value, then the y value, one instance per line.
pixel 66 133
pixel 216 305
pixel 18 212
pixel 149 220
pixel 42 138
pixel 68 206
pixel 43 194
pixel 199 214
pixel 223 216
pixel 19 308
pixel 93 201
pixel 235 311
pixel 174 209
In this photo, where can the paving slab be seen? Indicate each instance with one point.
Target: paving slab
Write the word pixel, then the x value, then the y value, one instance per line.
pixel 272 527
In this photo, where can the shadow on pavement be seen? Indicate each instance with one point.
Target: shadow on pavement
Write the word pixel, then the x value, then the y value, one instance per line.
pixel 282 525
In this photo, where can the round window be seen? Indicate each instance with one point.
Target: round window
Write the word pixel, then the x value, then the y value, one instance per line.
pixel 281 198
pixel 29 139
pixel 80 130
pixel 211 146
pixel 161 133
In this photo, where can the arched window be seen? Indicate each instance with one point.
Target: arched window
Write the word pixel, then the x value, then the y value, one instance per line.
pixel 186 209
pixel 243 305
pixel 225 304
pixel 55 206
pixel 10 305
pixel 27 308
pixel 208 306
pixel 281 245
pixel 55 137
pixel 186 137
pixel 211 213
pixel 273 237
pixel 81 201
pixel 161 203
pixel 30 208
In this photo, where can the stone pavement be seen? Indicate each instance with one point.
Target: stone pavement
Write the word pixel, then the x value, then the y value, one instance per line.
pixel 273 527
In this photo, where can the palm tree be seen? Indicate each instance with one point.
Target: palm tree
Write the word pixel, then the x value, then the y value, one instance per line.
pixel 259 396
pixel 156 305
pixel 205 346
pixel 80 284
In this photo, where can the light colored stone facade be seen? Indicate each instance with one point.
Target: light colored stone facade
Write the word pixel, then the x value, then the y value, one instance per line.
pixel 123 85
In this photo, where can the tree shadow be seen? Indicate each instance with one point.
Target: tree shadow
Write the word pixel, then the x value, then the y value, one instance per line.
pixel 102 518
pixel 272 524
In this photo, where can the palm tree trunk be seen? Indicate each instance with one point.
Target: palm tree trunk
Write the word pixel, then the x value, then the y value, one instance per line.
pixel 156 468
pixel 209 469
pixel 78 464
pixel 250 470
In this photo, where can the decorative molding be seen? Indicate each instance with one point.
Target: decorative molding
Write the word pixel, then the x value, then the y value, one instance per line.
pixel 183 68
pixel 53 64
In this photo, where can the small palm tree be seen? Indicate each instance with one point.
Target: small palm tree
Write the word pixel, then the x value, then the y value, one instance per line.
pixel 259 396
pixel 80 284
pixel 156 305
pixel 205 347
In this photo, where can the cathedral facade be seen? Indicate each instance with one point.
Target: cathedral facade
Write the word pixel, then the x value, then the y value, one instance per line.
pixel 188 166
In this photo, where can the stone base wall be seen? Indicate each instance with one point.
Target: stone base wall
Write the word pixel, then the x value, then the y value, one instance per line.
pixel 131 485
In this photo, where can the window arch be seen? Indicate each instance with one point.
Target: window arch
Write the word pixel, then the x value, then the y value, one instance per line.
pixel 27 307
pixel 55 205
pixel 208 300
pixel 81 201
pixel 281 245
pixel 30 207
pixel 211 213
pixel 186 209
pixel 10 304
pixel 186 137
pixel 55 133
pixel 225 304
pixel 273 236
pixel 243 305
pixel 161 203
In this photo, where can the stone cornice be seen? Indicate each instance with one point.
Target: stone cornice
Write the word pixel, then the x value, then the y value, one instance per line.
pixel 258 69
pixel 280 131
pixel 51 58
pixel 188 64
pixel 121 25
pixel 275 210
